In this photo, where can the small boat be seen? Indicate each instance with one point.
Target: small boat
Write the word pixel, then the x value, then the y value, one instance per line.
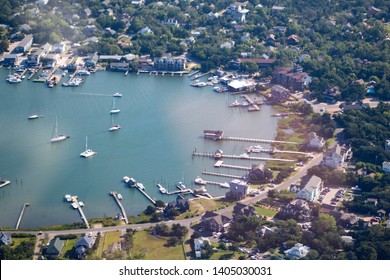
pixel 14 80
pixel 88 152
pixel 126 179
pixel 225 185
pixel 181 186
pixel 140 186
pixel 162 189
pixel 235 104
pixel 74 205
pixel 81 204
pixel 83 72
pixel 64 73
pixel 58 137
pixel 114 110
pixel 198 84
pixel 114 127
pixel 119 196
pixel 4 182
pixel 199 181
pixel 117 94
pixel 68 198
pixel 33 117
pixel 244 155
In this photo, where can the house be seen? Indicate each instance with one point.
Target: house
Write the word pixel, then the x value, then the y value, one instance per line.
pixel 58 48
pixel 293 39
pixel 42 2
pixel 279 93
pixel 82 244
pixel 199 243
pixel 171 22
pixel 34 58
pixel 347 239
pixel 298 209
pixel 336 156
pixel 215 222
pixel 24 45
pixel 372 201
pixel 119 66
pixel 10 59
pixel 87 12
pixel 90 30
pixel 241 209
pixel 169 63
pixel 145 30
pixel 331 93
pixel 238 190
pixel 297 252
pixel 50 60
pixel 304 57
pixel 5 238
pixel 291 78
pixel 25 27
pixel 92 60
pixel 356 106
pixel 180 204
pixel 312 189
pixel 315 141
pixel 386 167
pixel 54 248
pixel 259 174
pixel 264 230
pixel 387 145
pixel 348 219
pixel 138 2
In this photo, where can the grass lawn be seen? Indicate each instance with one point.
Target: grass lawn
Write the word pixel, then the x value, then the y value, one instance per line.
pixel 226 254
pixel 265 212
pixel 200 206
pixel 153 248
pixel 68 246
pixel 111 238
pixel 141 218
pixel 18 240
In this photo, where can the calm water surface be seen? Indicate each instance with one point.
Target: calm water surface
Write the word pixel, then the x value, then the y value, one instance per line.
pixel 162 120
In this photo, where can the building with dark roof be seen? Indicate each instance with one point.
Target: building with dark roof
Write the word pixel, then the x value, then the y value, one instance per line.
pixel 215 222
pixel 291 78
pixel 54 248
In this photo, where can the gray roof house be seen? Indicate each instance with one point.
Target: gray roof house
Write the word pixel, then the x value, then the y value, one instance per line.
pixel 312 189
pixel 54 248
pixel 82 244
pixel 5 238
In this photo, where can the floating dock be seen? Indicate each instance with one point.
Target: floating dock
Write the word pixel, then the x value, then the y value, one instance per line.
pixel 115 195
pixel 83 217
pixel 222 175
pixel 21 215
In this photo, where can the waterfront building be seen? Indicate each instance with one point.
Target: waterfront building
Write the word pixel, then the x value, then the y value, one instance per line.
pixel 169 63
pixel 34 58
pixel 24 45
pixel 279 93
pixel 10 59
pixel 312 189
pixel 291 78
pixel 241 84
pixel 238 190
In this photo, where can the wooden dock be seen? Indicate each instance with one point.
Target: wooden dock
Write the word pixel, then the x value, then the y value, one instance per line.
pixel 222 175
pixel 214 183
pixel 235 167
pixel 21 215
pixel 83 217
pixel 242 157
pixel 254 140
pixel 200 75
pixel 115 196
pixel 146 195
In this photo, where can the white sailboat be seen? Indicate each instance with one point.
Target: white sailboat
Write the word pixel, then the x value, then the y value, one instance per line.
pixel 88 152
pixel 114 126
pixel 58 137
pixel 114 110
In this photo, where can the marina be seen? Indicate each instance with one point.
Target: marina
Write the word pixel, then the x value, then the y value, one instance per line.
pixel 117 198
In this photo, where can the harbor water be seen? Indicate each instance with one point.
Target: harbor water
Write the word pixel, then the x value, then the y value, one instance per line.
pixel 162 120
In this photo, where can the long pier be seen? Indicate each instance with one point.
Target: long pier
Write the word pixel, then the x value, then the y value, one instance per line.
pixel 214 183
pixel 83 217
pixel 146 195
pixel 115 195
pixel 222 175
pixel 254 140
pixel 200 75
pixel 235 167
pixel 21 215
pixel 242 157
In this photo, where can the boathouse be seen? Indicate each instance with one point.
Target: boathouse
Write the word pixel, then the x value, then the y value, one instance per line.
pixel 213 134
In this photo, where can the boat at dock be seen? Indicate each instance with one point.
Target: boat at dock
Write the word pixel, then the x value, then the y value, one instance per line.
pixel 225 185
pixel 83 72
pixel 119 196
pixel 140 186
pixel 181 186
pixel 199 181
pixel 129 181
pixel 81 204
pixel 4 182
pixel 198 84
pixel 162 189
pixel 88 152
pixel 74 205
pixel 68 198
pixel 13 79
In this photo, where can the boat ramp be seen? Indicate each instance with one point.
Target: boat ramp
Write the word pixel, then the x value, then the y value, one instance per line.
pixel 115 196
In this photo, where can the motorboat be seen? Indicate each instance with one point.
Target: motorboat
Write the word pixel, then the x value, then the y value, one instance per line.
pixel 199 181
pixel 81 204
pixel 181 186
pixel 114 110
pixel 225 185
pixel 68 198
pixel 140 186
pixel 74 205
pixel 14 79
pixel 33 117
pixel 119 196
pixel 117 94
pixel 114 127
pixel 235 103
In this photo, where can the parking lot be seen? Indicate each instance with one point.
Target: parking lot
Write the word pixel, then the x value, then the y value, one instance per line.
pixel 332 195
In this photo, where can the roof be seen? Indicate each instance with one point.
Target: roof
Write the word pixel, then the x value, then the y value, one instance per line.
pixel 84 241
pixel 241 83
pixel 5 238
pixel 257 60
pixel 26 40
pixel 313 183
pixel 55 247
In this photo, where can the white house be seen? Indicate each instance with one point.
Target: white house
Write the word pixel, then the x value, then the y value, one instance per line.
pixel 386 167
pixel 312 189
pixel 297 252
pixel 335 157
pixel 315 141
pixel 199 243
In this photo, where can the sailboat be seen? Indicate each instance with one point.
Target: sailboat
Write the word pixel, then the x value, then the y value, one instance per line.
pixel 114 110
pixel 114 127
pixel 88 152
pixel 58 137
